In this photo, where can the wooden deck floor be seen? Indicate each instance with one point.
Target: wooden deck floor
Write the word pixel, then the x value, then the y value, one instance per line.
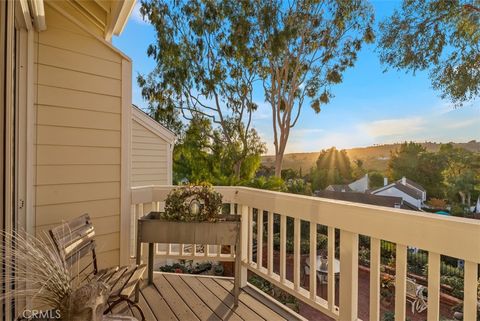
pixel 187 297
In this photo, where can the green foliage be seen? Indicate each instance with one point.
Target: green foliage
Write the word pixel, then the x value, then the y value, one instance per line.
pixel 303 49
pixel 186 268
pixel 333 167
pixel 358 170
pixel 298 186
pixel 461 174
pixel 456 283
pixel 441 36
pixel 272 183
pixel 375 180
pixel 274 291
pixel 322 241
pixel 390 316
pixel 202 155
pixel 179 201
pixel 414 162
pixel 204 69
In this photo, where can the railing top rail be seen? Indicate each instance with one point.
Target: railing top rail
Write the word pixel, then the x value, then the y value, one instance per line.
pixel 452 236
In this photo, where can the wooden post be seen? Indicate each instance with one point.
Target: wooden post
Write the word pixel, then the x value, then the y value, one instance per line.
pixel 470 291
pixel 374 279
pixel 433 311
pixel 296 253
pixel 244 244
pixel 349 276
pixel 313 261
pixel 400 282
pixel 150 262
pixel 283 246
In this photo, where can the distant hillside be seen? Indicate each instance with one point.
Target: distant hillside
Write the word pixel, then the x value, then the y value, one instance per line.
pixel 374 157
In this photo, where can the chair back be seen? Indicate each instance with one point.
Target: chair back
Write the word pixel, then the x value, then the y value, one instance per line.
pixel 76 243
pixel 411 288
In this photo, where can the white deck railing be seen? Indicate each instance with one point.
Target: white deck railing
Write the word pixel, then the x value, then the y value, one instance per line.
pixel 439 235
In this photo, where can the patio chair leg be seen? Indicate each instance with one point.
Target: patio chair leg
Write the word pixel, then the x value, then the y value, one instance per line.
pixel 130 304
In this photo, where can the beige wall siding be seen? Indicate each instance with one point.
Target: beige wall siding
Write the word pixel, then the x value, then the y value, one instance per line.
pixel 150 153
pixel 78 140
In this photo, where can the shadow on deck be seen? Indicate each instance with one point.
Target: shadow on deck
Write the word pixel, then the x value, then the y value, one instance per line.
pixel 192 297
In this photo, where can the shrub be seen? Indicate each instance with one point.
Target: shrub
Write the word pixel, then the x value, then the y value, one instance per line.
pixel 180 201
pixel 274 292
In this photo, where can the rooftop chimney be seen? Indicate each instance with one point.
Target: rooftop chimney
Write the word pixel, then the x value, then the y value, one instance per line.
pixel 404 180
pixel 385 181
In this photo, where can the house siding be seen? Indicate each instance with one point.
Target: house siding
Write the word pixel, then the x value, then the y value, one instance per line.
pixel 150 157
pixel 78 144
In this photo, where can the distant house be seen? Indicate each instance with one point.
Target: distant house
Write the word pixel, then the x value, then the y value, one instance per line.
pixel 152 146
pixel 410 191
pixel 338 188
pixel 365 198
pixel 360 185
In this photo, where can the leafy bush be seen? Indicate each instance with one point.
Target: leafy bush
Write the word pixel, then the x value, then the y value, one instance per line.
pixel 274 291
pixel 179 201
pixel 456 283
pixel 322 241
pixel 364 256
pixel 188 269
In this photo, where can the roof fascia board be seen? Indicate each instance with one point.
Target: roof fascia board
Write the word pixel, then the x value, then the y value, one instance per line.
pixel 75 21
pixel 152 125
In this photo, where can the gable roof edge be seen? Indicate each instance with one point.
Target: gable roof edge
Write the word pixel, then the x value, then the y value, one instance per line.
pixel 148 122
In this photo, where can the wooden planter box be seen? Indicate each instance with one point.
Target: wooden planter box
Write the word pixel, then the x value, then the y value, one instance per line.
pixel 152 229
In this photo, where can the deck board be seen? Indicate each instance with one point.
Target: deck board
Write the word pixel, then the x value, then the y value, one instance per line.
pixel 261 309
pixel 218 306
pixel 157 304
pixel 190 298
pixel 226 297
pixel 173 299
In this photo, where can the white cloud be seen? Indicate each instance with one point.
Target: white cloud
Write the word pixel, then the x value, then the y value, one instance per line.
pixel 462 124
pixel 394 127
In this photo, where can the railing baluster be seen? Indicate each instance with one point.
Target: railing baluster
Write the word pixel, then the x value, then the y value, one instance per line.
pixel 375 256
pixel 250 234
pixel 296 253
pixel 400 282
pixel 270 243
pixel 331 269
pixel 283 246
pixel 245 242
pixel 232 249
pixel 349 276
pixel 470 291
pixel 259 238
pixel 433 312
pixel 313 261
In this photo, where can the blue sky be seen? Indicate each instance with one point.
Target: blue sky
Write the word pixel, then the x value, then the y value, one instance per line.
pixel 370 106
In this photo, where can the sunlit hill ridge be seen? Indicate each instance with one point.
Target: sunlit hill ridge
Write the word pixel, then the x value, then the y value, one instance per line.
pixel 375 157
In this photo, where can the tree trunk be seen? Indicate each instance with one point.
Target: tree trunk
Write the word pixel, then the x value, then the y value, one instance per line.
pixel 278 164
pixel 237 167
pixel 462 196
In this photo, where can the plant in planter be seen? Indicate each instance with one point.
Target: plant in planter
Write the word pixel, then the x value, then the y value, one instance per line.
pixel 192 216
pixel 219 270
pixel 193 203
pixel 51 285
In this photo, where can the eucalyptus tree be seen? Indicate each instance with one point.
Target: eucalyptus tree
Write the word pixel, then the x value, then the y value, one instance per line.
pixel 441 36
pixel 205 68
pixel 304 48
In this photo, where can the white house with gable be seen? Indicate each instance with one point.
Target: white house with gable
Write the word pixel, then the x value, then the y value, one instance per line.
pixel 408 190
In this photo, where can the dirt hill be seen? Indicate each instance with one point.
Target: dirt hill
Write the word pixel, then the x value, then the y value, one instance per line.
pixel 374 157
